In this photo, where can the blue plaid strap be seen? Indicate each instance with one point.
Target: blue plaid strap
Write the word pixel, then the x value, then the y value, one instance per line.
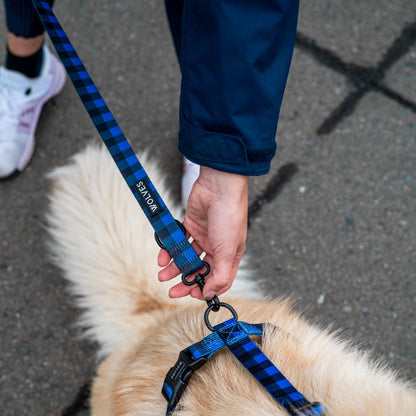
pixel 214 341
pixel 165 226
pixel 235 336
pixel 246 351
pixel 192 358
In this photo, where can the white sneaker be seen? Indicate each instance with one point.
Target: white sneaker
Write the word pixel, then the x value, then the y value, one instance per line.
pixel 21 101
pixel 189 177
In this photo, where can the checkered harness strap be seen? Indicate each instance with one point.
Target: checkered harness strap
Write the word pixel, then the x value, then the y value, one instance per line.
pixel 165 226
pixel 235 336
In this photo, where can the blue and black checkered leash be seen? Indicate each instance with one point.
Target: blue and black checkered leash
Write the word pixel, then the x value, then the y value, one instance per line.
pixel 170 235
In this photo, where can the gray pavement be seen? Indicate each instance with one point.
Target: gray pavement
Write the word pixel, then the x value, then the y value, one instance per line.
pixel 340 237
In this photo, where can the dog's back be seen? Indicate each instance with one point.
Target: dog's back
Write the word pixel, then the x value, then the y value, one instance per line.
pixel 106 249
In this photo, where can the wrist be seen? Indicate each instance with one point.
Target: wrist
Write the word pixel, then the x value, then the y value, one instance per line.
pixel 220 182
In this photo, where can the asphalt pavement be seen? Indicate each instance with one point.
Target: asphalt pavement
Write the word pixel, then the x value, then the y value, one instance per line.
pixel 333 224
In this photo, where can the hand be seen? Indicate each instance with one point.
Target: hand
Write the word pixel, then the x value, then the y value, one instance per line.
pixel 216 217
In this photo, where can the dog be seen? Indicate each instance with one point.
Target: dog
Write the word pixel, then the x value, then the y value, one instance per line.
pixel 105 247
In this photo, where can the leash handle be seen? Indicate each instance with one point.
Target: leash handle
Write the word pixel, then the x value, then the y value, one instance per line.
pixel 167 230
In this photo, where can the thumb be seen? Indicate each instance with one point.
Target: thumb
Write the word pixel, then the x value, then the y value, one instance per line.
pixel 220 280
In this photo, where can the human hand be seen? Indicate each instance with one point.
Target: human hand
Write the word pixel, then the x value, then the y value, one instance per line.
pixel 216 218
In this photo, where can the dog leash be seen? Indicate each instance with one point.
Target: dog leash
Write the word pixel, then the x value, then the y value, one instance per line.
pixel 166 228
pixel 170 235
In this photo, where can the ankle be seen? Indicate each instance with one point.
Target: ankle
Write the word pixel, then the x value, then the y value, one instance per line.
pixel 30 66
pixel 21 46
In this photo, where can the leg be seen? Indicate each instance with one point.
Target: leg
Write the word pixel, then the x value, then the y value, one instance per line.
pixel 24 55
pixel 31 76
pixel 25 37
pixel 20 46
pixel 22 19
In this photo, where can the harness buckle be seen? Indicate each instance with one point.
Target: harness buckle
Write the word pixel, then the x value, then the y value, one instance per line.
pixel 179 375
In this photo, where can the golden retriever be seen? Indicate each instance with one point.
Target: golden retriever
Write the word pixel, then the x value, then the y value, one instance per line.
pixel 105 247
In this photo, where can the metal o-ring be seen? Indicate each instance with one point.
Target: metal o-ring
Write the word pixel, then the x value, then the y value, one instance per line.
pixel 215 303
pixel 210 308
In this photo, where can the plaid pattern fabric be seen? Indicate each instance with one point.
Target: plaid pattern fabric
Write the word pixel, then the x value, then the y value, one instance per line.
pixel 170 234
pixel 253 359
pixel 235 336
pixel 203 349
pixel 214 342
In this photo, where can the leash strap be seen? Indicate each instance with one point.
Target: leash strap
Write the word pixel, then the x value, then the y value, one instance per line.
pixel 235 336
pixel 165 226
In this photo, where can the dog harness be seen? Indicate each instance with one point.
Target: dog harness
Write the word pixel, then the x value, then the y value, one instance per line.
pixel 235 336
pixel 170 235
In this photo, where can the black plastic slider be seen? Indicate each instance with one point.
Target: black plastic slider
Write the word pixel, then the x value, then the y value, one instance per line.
pixel 179 375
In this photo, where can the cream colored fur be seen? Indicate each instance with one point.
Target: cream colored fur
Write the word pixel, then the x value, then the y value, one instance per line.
pixel 105 247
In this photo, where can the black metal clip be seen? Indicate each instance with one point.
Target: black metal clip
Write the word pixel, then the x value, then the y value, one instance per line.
pixel 179 375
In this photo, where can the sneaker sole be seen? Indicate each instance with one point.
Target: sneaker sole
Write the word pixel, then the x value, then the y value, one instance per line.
pixel 56 87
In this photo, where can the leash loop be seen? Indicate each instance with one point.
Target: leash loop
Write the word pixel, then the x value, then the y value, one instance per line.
pixel 213 307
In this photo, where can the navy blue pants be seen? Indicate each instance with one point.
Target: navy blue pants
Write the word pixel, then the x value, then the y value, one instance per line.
pixel 22 19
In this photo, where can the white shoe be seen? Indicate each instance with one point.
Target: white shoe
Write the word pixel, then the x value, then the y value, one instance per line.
pixel 21 101
pixel 189 177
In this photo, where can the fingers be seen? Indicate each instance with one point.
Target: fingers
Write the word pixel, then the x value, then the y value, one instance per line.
pixel 163 259
pixel 180 290
pixel 169 272
pixel 217 282
pixel 170 269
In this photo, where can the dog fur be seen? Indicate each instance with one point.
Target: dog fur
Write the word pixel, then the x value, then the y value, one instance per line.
pixel 105 247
